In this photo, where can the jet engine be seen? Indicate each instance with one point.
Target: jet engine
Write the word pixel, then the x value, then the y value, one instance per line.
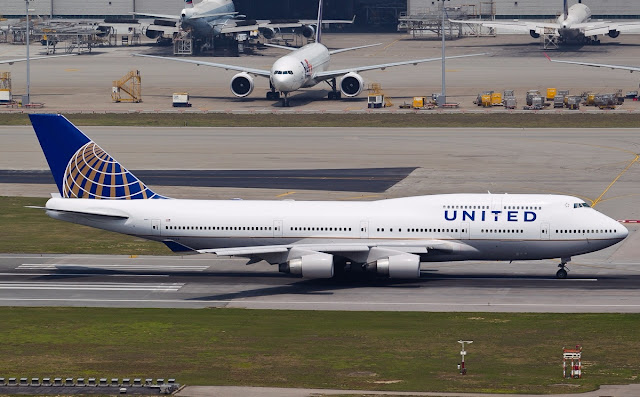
pixel 351 84
pixel 268 33
pixel 314 265
pixel 152 34
pixel 613 33
pixel 242 84
pixel 534 34
pixel 308 31
pixel 397 266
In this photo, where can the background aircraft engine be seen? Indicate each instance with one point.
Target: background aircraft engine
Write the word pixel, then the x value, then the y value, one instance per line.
pixel 398 266
pixel 152 34
pixel 534 34
pixel 268 33
pixel 351 84
pixel 309 31
pixel 318 265
pixel 242 84
pixel 613 33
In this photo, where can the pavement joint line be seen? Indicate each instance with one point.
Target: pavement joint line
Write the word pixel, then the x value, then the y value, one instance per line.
pixel 635 160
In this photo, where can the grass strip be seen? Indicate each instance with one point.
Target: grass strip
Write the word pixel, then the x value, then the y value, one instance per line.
pixel 363 350
pixel 422 119
pixel 31 231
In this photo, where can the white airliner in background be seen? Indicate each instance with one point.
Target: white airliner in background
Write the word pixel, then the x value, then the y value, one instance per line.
pixel 215 17
pixel 574 24
pixel 302 68
pixel 314 238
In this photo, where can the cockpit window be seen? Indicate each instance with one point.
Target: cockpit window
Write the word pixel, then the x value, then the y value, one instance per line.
pixel 290 71
pixel 581 205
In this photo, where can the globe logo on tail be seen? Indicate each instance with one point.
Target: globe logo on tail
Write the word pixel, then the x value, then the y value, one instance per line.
pixel 93 173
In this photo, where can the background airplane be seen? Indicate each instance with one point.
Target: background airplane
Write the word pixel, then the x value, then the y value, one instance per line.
pixel 303 67
pixel 573 24
pixel 215 17
pixel 314 238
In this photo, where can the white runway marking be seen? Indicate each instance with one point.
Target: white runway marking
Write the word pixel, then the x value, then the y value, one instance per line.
pixel 76 266
pixel 164 287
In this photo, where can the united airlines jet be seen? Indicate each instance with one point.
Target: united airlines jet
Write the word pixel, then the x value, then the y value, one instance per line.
pixel 313 238
pixel 304 67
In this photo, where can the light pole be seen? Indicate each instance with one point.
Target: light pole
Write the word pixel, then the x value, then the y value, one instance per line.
pixel 444 86
pixel 28 96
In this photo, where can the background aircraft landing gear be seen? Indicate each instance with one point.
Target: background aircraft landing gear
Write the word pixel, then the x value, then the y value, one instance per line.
pixel 562 273
pixel 334 94
pixel 285 100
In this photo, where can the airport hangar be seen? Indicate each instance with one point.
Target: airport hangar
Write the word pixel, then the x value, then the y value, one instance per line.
pixel 369 13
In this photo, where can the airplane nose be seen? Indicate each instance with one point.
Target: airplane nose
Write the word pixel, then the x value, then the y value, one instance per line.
pixel 284 83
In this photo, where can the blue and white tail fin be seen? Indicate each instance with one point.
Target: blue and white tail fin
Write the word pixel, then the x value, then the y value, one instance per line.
pixel 319 27
pixel 81 168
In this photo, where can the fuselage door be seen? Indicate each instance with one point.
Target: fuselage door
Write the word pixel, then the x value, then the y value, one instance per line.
pixel 464 231
pixel 155 227
pixel 364 229
pixel 544 231
pixel 277 228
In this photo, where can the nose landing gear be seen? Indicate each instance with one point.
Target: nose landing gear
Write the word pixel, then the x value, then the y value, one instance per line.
pixel 562 273
pixel 285 100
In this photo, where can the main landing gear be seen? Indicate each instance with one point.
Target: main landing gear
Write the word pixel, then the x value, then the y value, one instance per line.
pixel 562 273
pixel 273 95
pixel 334 94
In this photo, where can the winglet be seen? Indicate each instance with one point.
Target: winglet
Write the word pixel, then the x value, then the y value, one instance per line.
pixel 81 168
pixel 319 27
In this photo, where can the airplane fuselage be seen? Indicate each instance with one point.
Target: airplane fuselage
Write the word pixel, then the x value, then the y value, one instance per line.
pixel 437 228
pixel 298 69
pixel 190 18
pixel 577 14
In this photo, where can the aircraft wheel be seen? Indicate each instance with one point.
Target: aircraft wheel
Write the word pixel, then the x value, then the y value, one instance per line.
pixel 331 95
pixel 562 274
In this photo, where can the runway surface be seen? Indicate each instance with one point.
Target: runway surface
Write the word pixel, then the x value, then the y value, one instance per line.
pixel 374 180
pixel 606 281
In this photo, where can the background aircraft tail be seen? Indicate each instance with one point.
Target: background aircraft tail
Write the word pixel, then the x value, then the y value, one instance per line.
pixel 188 3
pixel 319 27
pixel 81 168
pixel 565 9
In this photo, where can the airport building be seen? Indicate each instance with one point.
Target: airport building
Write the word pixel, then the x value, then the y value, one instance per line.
pixel 368 12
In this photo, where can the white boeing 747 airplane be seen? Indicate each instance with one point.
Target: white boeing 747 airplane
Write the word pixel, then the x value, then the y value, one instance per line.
pixel 314 238
pixel 304 67
pixel 574 24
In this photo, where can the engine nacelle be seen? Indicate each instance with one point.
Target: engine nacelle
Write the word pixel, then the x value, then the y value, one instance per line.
pixel 534 34
pixel 397 266
pixel 613 33
pixel 268 33
pixel 242 84
pixel 152 34
pixel 351 84
pixel 309 31
pixel 318 265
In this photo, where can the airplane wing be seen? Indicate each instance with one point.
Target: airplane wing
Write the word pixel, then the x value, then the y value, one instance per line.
pixel 329 74
pixel 160 16
pixel 258 72
pixel 11 61
pixel 213 15
pixel 600 65
pixel 604 27
pixel 516 25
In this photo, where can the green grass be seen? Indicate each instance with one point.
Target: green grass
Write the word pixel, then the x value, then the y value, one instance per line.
pixel 27 230
pixel 423 119
pixel 511 352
